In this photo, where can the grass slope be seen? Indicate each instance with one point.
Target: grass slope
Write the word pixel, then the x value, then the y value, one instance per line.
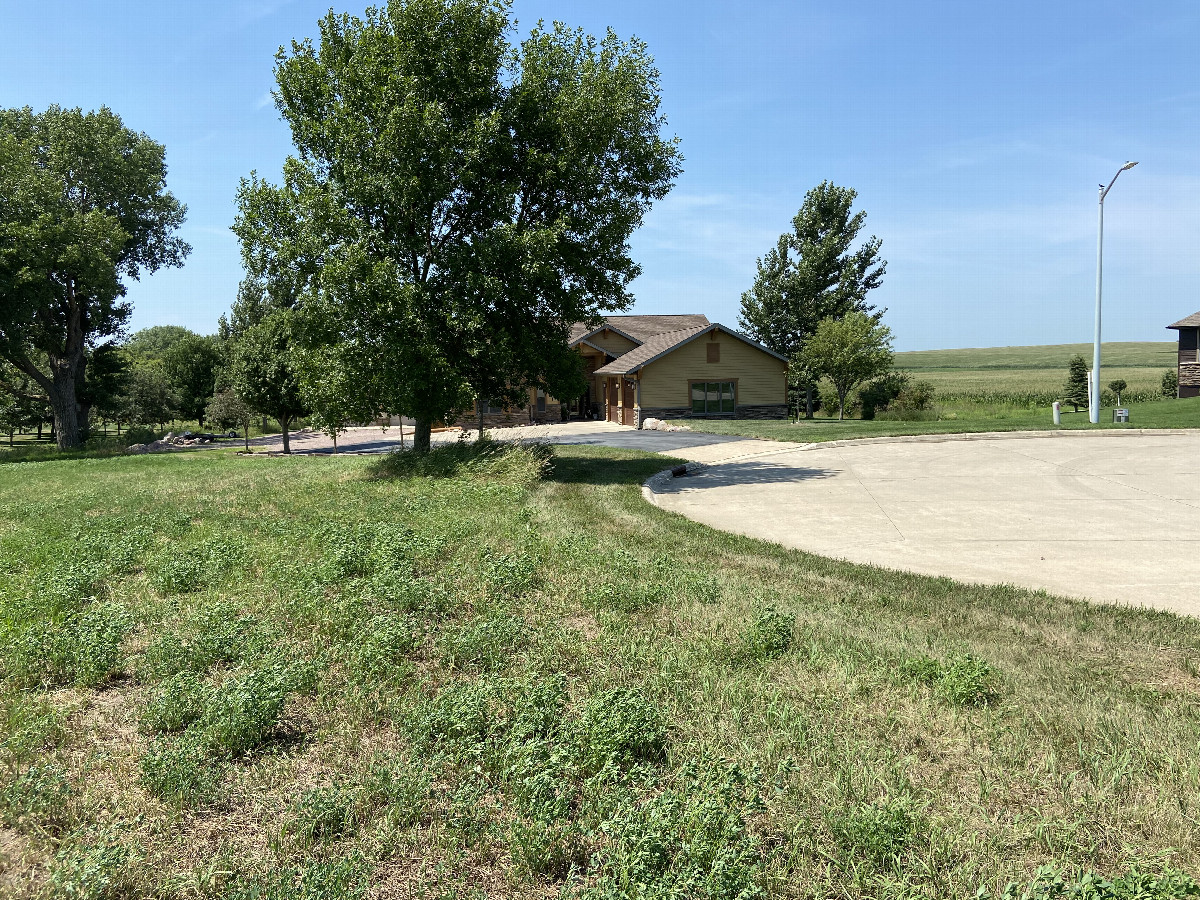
pixel 1121 354
pixel 500 675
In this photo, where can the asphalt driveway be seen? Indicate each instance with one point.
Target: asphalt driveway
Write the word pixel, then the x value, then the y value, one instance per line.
pixel 1109 516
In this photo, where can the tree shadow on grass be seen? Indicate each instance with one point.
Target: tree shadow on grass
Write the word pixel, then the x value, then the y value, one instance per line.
pixel 586 466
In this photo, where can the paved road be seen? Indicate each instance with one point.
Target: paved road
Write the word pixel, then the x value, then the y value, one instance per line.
pixel 691 445
pixel 1110 516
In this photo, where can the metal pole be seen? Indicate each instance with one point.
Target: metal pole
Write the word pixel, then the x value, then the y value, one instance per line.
pixel 1094 400
pixel 1094 406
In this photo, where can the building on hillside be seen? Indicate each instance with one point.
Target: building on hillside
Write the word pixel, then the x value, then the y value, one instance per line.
pixel 1189 355
pixel 666 367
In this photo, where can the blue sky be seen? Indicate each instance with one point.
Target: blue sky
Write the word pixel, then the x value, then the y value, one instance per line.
pixel 975 135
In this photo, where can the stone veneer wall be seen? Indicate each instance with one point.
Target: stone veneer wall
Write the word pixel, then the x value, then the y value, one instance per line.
pixel 1189 374
pixel 768 411
pixel 513 417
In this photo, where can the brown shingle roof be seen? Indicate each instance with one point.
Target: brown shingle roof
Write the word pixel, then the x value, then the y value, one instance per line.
pixel 1192 321
pixel 661 344
pixel 640 328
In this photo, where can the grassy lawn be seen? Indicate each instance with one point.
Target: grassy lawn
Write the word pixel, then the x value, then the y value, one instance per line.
pixel 957 419
pixel 508 676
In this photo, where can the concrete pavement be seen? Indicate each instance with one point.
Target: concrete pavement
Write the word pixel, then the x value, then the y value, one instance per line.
pixel 1110 516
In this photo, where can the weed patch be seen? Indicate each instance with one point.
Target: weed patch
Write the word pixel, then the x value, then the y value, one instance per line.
pixel 961 680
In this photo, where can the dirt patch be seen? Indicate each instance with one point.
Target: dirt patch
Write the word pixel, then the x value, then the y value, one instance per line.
pixel 23 868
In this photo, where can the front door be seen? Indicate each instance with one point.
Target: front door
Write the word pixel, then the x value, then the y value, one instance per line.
pixel 610 391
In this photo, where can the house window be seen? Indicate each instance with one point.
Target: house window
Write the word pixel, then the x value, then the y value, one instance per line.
pixel 541 401
pixel 490 409
pixel 714 352
pixel 712 398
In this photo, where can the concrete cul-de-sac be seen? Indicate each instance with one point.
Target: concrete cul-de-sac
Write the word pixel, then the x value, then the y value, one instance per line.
pixel 1108 516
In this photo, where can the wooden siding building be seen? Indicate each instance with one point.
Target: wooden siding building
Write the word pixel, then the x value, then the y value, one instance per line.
pixel 1189 355
pixel 666 367
pixel 677 367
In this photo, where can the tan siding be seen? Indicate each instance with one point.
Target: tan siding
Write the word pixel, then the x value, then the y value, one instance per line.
pixel 612 342
pixel 761 378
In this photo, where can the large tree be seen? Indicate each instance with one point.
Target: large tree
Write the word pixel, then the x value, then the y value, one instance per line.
pixel 83 207
pixel 191 363
pixel 453 194
pixel 813 272
pixel 848 351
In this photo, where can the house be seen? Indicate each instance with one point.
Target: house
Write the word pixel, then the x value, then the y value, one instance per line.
pixel 674 367
pixel 666 367
pixel 1189 355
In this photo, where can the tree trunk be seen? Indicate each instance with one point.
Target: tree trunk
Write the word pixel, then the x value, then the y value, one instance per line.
pixel 479 437
pixel 841 404
pixel 283 425
pixel 808 402
pixel 246 434
pixel 66 410
pixel 421 435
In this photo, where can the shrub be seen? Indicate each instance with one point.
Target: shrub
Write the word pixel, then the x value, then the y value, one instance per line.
pixel 963 680
pixel 879 394
pixel 620 728
pixel 178 703
pixel 769 635
pixel 139 434
pixel 877 833
pixel 1170 383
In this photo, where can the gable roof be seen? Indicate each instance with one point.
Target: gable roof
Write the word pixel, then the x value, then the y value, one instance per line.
pixel 662 344
pixel 1192 321
pixel 638 328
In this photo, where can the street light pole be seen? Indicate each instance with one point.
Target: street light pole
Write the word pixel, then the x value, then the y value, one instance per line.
pixel 1094 405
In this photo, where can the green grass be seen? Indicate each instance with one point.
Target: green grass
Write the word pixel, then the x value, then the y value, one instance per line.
pixel 1125 354
pixel 500 673
pixel 956 419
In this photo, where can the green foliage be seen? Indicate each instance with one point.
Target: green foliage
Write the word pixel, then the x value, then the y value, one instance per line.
pixel 179 570
pixel 485 643
pixel 1075 391
pixel 689 839
pixel 848 351
pixel 768 636
pixel 182 771
pixel 877 395
pixel 812 273
pixel 39 796
pixel 91 866
pixel 341 878
pixel 242 713
pixel 620 728
pixel 963 680
pixel 82 648
pixel 1170 383
pixel 876 834
pixel 428 313
pixel 262 372
pixel 191 365
pixel 30 727
pixel 323 813
pixel 523 465
pixel 217 633
pixel 85 210
pixel 1052 883
pixel 177 703
pixel 226 410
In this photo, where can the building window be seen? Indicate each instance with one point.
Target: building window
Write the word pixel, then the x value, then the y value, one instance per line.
pixel 541 401
pixel 714 352
pixel 490 409
pixel 712 398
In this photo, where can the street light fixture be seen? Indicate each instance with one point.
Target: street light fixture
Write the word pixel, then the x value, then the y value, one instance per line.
pixel 1094 406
